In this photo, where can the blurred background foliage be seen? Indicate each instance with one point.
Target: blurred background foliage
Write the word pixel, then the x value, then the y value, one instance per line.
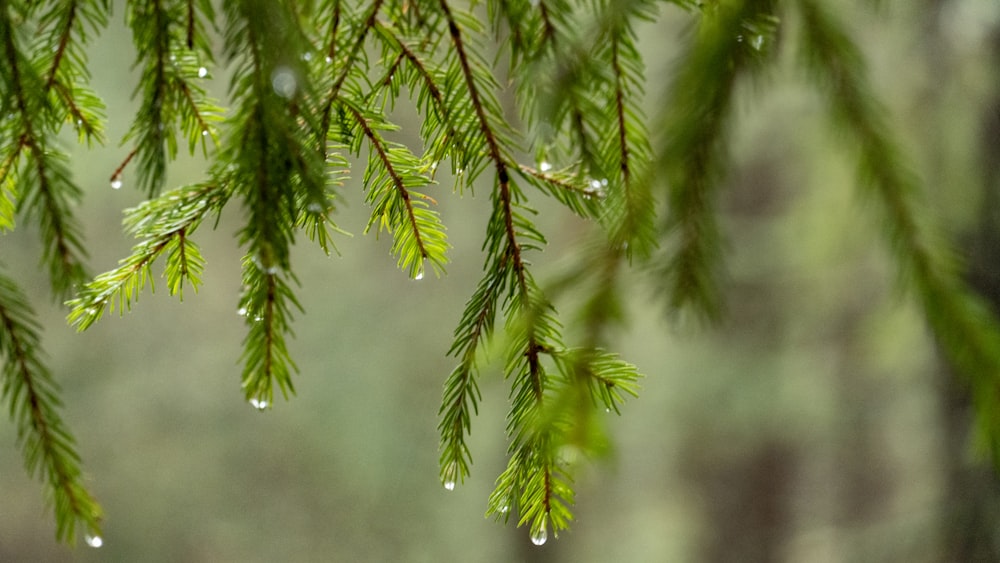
pixel 816 423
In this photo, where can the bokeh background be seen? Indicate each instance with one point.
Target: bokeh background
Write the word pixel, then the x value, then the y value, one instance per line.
pixel 816 423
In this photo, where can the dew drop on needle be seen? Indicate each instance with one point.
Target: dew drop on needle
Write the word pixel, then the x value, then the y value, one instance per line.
pixel 540 536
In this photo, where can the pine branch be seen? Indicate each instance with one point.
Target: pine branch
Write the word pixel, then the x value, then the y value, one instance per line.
pixel 277 164
pixel 391 178
pixel 49 449
pixel 48 191
pixel 172 97
pixel 165 224
pixel 964 327
pixel 693 158
pixel 61 52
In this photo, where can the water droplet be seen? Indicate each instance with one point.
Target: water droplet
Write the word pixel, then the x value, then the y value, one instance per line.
pixel 504 509
pixel 539 536
pixel 116 184
pixel 739 38
pixel 449 485
pixel 307 56
pixel 757 42
pixel 93 541
pixel 242 311
pixel 284 82
pixel 204 132
pixel 459 171
pixel 79 122
pixel 419 276
pixel 544 166
pixel 202 72
pixel 328 59
pixel 604 182
pixel 595 184
pixel 258 404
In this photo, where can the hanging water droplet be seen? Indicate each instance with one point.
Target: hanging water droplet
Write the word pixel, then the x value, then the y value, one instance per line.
pixel 93 541
pixel 604 182
pixel 202 72
pixel 79 122
pixel 419 276
pixel 116 184
pixel 328 59
pixel 258 404
pixel 449 485
pixel 284 82
pixel 307 56
pixel 595 184
pixel 504 509
pixel 242 311
pixel 544 166
pixel 539 536
pixel 204 132
pixel 607 409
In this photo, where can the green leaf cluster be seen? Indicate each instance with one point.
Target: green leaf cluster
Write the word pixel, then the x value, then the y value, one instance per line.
pixel 313 89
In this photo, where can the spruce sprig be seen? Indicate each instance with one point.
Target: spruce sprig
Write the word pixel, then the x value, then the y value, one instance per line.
pixel 165 226
pixel 693 155
pixel 32 396
pixel 169 36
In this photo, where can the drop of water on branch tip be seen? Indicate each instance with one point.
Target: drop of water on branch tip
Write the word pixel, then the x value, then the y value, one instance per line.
pixel 329 60
pixel 449 485
pixel 242 311
pixel 258 404
pixel 540 536
pixel 419 276
pixel 544 166
pixel 94 541
pixel 204 132
pixel 116 184
pixel 202 72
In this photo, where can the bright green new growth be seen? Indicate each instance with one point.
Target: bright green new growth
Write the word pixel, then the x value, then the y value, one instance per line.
pixel 314 83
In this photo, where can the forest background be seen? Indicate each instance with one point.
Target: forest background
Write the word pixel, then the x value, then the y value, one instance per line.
pixel 817 422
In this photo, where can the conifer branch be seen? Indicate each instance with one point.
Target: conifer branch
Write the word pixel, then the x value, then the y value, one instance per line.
pixel 165 224
pixel 48 191
pixel 171 97
pixel 693 156
pixel 964 327
pixel 392 175
pixel 49 449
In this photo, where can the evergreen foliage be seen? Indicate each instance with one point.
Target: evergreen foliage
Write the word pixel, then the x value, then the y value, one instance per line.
pixel 314 84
